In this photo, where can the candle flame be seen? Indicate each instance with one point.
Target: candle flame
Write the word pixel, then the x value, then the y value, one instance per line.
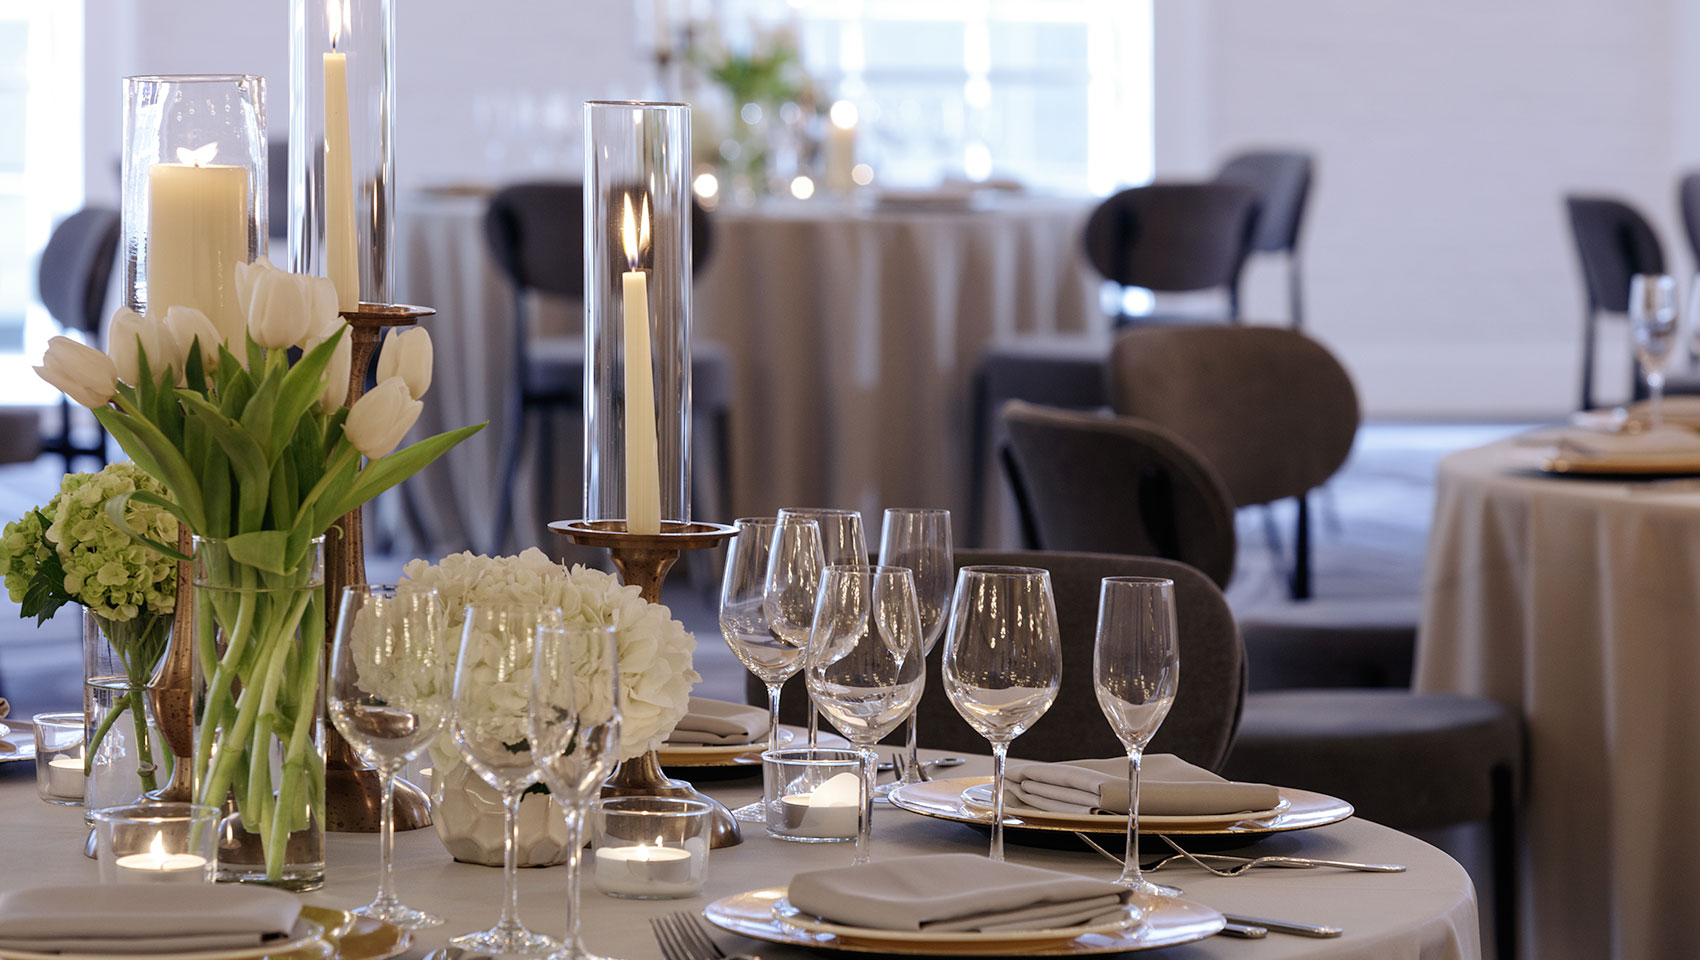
pixel 633 235
pixel 201 154
pixel 336 13
pixel 157 849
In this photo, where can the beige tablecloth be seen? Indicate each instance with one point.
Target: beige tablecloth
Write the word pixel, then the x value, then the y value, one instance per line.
pixel 1427 913
pixel 853 333
pixel 1577 602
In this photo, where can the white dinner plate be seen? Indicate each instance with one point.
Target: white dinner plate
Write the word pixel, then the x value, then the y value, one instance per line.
pixel 719 754
pixel 17 742
pixel 303 933
pixel 980 795
pixel 786 913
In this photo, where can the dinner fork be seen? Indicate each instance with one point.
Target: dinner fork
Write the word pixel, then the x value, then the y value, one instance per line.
pixel 1239 865
pixel 682 937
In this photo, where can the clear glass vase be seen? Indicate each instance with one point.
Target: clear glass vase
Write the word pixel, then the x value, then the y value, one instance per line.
pixel 126 758
pixel 259 744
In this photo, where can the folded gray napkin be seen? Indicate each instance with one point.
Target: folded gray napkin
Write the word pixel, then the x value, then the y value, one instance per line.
pixel 954 892
pixel 716 723
pixel 144 918
pixel 1168 787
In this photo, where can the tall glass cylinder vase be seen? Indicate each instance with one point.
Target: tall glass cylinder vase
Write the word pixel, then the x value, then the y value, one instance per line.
pixel 342 145
pixel 637 286
pixel 194 192
pixel 259 745
pixel 126 758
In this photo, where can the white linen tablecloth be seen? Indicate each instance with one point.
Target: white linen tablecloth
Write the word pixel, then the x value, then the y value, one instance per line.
pixel 1427 913
pixel 1575 601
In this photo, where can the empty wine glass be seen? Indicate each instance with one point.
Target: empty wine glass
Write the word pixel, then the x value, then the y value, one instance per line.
pixel 1653 327
pixel 745 625
pixel 1135 670
pixel 919 538
pixel 392 670
pixel 841 542
pixel 1002 661
pixel 574 729
pixel 865 668
pixel 492 698
pixel 794 564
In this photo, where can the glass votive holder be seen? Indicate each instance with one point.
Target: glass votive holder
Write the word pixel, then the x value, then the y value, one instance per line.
pixel 157 842
pixel 59 758
pixel 651 848
pixel 812 794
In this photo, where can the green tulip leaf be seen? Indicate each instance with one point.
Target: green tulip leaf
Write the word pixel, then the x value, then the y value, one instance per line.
pixel 263 549
pixel 115 512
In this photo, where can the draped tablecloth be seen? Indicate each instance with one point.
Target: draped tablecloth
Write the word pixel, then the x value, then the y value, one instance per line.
pixel 853 334
pixel 1427 913
pixel 1577 602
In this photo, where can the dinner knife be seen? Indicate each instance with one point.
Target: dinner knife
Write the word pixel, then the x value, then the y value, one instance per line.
pixel 1243 931
pixel 1285 926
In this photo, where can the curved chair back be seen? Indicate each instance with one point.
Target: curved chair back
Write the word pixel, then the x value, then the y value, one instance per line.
pixel 1269 409
pixel 1282 181
pixel 1688 200
pixel 1118 485
pixel 76 266
pixel 1614 242
pixel 1172 236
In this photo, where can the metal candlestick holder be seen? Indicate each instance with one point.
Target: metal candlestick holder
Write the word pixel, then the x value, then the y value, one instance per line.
pixel 643 561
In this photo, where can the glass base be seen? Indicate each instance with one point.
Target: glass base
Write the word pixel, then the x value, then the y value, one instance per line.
pixel 296 878
pixel 507 941
pixel 1145 889
pixel 577 952
pixel 751 813
pixel 402 916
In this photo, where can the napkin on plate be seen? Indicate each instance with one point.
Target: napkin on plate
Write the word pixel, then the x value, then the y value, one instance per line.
pixel 1168 787
pixel 954 892
pixel 1652 442
pixel 144 918
pixel 716 723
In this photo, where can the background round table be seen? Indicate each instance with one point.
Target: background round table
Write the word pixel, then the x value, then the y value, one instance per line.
pixel 1576 601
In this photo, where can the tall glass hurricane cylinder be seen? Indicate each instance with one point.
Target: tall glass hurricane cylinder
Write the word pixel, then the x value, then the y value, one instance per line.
pixel 637 332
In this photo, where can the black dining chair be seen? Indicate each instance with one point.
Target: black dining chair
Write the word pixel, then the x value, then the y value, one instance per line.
pixel 1688 205
pixel 72 278
pixel 1282 179
pixel 1613 243
pixel 1173 238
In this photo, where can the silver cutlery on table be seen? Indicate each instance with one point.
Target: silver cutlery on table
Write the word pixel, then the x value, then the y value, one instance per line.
pixel 1286 926
pixel 942 763
pixel 682 937
pixel 1242 864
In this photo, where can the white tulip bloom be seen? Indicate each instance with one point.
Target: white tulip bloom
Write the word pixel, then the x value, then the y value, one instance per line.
pixel 377 421
pixel 408 354
pixel 85 374
pixel 128 335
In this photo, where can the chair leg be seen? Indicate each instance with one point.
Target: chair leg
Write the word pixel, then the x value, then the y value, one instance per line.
pixel 1295 297
pixel 1503 826
pixel 1587 359
pixel 1299 586
pixel 511 447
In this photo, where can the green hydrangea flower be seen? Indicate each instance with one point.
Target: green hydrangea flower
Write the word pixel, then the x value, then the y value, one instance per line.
pixel 23 548
pixel 115 577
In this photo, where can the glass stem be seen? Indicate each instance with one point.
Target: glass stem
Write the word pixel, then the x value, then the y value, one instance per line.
pixel 773 715
pixel 1000 753
pixel 386 839
pixel 575 848
pixel 865 822
pixel 510 864
pixel 814 723
pixel 912 771
pixel 1656 388
pixel 1130 864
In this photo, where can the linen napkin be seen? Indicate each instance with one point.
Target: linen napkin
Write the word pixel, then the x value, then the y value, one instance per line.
pixel 954 892
pixel 714 723
pixel 1168 787
pixel 144 918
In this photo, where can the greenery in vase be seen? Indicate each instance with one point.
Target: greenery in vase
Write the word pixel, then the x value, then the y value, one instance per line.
pixel 249 431
pixel 70 551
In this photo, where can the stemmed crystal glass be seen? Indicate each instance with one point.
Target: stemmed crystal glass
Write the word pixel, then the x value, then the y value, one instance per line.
pixel 1135 670
pixel 841 542
pixel 574 729
pixel 1653 328
pixel 391 671
pixel 1002 661
pixel 789 585
pixel 919 538
pixel 744 623
pixel 865 668
pixel 492 698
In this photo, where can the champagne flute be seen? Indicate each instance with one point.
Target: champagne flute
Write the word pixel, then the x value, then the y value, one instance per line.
pixel 574 728
pixel 841 542
pixel 865 668
pixel 744 623
pixel 1653 328
pixel 390 679
pixel 919 538
pixel 492 697
pixel 1135 670
pixel 1002 661
pixel 789 585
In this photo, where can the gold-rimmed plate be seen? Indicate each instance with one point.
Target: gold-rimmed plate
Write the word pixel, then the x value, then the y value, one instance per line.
pixel 353 937
pixel 979 797
pixel 1625 464
pixel 718 755
pixel 1167 922
pixel 944 800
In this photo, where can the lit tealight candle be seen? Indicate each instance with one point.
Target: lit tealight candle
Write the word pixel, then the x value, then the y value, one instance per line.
pixel 65 777
pixel 644 871
pixel 157 866
pixel 832 810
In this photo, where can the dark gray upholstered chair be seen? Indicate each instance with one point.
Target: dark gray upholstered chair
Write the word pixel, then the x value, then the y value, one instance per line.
pixel 1107 484
pixel 1282 180
pixel 72 278
pixel 1269 409
pixel 1199 728
pixel 1613 243
pixel 1174 237
pixel 1688 204
pixel 536 235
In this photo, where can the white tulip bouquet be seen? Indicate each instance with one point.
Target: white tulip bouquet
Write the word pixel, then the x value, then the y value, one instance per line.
pixel 260 455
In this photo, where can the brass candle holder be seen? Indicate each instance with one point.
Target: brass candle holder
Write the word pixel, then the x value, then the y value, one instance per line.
pixel 643 561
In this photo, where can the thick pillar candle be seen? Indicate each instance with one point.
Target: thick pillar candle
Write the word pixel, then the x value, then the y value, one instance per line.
pixel 643 472
pixel 339 185
pixel 197 234
pixel 841 147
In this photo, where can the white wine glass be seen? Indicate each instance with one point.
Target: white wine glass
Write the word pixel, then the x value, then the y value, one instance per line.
pixel 1653 327
pixel 1002 661
pixel 392 671
pixel 842 541
pixel 919 538
pixel 1135 672
pixel 492 700
pixel 574 730
pixel 749 633
pixel 792 579
pixel 865 669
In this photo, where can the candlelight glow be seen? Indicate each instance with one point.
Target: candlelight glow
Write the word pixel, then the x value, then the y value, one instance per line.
pixel 634 235
pixel 336 14
pixel 862 173
pixel 200 155
pixel 706 185
pixel 843 114
pixel 802 188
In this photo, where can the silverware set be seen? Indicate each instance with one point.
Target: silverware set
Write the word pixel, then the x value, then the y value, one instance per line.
pixel 682 936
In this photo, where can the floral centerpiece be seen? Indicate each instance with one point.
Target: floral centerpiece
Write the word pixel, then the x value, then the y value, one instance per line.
pixel 70 551
pixel 249 431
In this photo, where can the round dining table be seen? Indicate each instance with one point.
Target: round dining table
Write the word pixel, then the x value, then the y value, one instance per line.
pixel 1425 913
pixel 1576 601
